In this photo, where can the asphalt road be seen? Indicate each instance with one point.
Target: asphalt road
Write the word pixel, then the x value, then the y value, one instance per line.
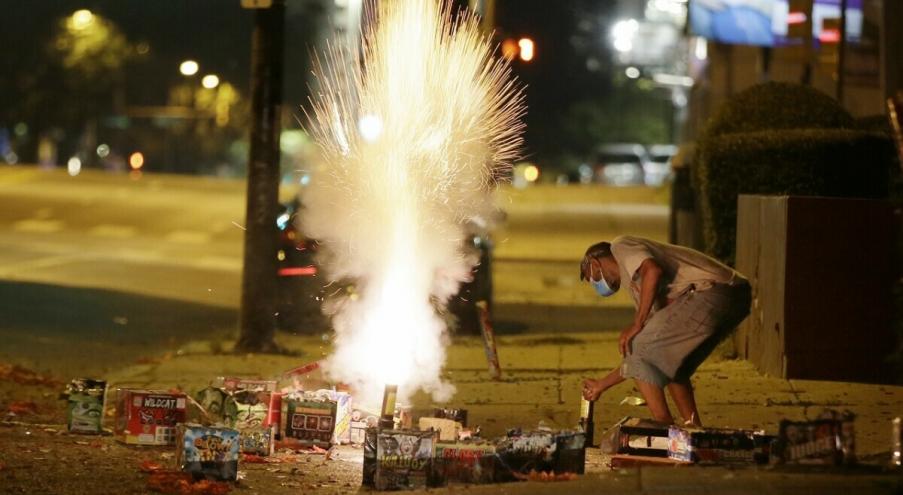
pixel 70 245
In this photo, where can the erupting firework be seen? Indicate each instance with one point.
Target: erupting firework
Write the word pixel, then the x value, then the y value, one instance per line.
pixel 415 132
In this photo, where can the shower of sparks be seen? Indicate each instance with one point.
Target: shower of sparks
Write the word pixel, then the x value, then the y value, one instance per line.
pixel 415 131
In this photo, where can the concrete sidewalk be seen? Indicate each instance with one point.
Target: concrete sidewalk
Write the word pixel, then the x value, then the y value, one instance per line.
pixel 542 373
pixel 541 383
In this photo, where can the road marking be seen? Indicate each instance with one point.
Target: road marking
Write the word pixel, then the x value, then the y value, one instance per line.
pixel 14 270
pixel 17 176
pixel 188 237
pixel 219 263
pixel 39 226
pixel 113 231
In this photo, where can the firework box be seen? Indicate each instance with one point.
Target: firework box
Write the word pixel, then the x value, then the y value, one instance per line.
pixel 232 384
pixel 359 422
pixel 717 446
pixel 459 415
pixel 258 440
pixel 369 443
pixel 465 462
pixel 636 436
pixel 522 452
pixel 252 408
pixel 217 405
pixel 448 429
pixel 147 417
pixel 208 452
pixel 85 401
pixel 311 422
pixel 343 416
pixel 404 459
pixel 249 395
pixel 810 442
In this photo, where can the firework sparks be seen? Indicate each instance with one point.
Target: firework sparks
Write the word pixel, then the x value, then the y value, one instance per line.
pixel 414 134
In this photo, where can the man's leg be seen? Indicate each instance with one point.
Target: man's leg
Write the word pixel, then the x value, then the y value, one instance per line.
pixel 655 400
pixel 683 396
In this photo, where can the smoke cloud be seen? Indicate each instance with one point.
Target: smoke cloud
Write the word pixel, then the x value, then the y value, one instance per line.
pixel 414 132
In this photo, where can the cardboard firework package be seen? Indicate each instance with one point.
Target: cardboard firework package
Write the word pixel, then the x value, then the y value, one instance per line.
pixel 369 443
pixel 358 424
pixel 147 417
pixel 636 436
pixel 257 401
pixel 258 440
pixel 465 462
pixel 208 452
pixel 448 429
pixel 826 441
pixel 310 421
pixel 543 451
pixel 85 401
pixel 718 446
pixel 343 415
pixel 570 452
pixel 217 405
pixel 404 459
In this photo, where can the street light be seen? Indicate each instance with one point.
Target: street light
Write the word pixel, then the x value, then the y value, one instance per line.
pixel 210 81
pixel 622 34
pixel 81 19
pixel 526 49
pixel 189 68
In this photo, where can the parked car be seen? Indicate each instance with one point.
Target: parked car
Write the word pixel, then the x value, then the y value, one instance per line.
pixel 658 165
pixel 620 164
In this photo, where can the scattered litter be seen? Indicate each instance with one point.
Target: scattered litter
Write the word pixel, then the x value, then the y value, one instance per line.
pixel 179 483
pixel 633 401
pixel 22 407
pixel 546 476
pixel 24 376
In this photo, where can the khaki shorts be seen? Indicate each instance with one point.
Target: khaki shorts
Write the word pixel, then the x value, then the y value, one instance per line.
pixel 679 337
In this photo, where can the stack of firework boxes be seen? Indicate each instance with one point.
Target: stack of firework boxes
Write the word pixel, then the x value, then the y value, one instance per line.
pixel 426 457
pixel 240 416
pixel 826 440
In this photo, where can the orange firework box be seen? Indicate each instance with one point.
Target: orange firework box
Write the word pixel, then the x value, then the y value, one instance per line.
pixel 148 417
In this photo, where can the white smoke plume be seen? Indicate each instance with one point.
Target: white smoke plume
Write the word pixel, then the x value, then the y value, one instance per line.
pixel 414 133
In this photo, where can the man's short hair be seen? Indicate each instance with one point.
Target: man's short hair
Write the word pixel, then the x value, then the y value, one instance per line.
pixel 598 250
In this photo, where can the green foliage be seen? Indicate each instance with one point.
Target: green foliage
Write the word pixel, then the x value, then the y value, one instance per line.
pixel 782 138
pixel 778 105
pixel 808 162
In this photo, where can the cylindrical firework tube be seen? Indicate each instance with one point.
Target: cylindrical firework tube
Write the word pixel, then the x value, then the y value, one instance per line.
pixel 492 355
pixel 586 420
pixel 387 415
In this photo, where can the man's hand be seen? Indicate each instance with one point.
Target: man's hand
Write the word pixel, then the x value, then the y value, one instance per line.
pixel 624 341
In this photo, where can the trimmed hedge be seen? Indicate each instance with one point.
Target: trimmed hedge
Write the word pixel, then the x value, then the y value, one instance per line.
pixel 807 162
pixel 778 105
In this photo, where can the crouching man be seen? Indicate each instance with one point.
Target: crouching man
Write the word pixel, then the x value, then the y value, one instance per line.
pixel 686 303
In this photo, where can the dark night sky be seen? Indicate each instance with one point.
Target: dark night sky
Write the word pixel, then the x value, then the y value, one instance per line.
pixel 217 34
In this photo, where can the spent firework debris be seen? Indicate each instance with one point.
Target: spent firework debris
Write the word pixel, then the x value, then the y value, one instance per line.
pixel 415 128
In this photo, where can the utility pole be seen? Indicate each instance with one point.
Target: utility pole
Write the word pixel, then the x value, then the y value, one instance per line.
pixel 258 285
pixel 841 53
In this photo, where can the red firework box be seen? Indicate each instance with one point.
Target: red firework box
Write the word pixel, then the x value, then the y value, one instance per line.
pixel 148 417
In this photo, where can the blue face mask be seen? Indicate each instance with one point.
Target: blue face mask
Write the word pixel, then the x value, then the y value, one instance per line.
pixel 602 287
